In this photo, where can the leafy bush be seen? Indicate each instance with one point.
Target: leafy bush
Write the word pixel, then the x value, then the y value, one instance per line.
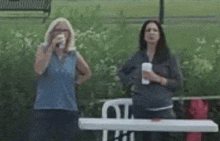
pixel 16 81
pixel 201 68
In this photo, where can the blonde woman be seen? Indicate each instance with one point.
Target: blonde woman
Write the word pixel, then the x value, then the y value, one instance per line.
pixel 55 114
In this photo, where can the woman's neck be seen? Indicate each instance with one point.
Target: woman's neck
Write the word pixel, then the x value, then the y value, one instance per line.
pixel 60 55
pixel 151 49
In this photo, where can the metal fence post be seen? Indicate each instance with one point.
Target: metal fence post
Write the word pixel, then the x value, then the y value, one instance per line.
pixel 161 14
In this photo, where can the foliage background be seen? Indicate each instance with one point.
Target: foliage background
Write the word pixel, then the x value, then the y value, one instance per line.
pixel 105 47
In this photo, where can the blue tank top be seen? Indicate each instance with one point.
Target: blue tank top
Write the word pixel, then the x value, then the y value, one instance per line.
pixel 55 87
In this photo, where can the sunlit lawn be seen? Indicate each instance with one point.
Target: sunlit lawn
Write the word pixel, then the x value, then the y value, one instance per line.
pixel 138 8
pixel 142 8
pixel 183 36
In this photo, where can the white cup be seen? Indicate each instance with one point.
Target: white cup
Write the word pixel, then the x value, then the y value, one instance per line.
pixel 62 41
pixel 148 67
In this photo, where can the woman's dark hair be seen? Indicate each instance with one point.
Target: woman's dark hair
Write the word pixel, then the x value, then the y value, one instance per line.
pixel 162 51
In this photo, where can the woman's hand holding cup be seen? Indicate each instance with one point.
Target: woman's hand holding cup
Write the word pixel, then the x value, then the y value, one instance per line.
pixel 148 75
pixel 58 42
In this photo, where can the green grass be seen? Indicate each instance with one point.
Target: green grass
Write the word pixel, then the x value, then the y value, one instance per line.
pixel 142 8
pixel 139 8
pixel 183 36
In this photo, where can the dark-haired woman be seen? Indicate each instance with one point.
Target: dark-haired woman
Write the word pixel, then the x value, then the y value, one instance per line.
pixel 152 100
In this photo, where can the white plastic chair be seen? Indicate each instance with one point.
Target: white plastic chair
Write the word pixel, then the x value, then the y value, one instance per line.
pixel 126 102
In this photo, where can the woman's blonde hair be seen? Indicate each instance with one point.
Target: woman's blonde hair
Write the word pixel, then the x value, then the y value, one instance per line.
pixel 70 41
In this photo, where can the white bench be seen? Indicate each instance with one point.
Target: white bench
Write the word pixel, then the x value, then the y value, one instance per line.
pixel 124 124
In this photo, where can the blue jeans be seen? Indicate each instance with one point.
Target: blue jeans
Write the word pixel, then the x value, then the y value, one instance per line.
pixel 139 112
pixel 53 125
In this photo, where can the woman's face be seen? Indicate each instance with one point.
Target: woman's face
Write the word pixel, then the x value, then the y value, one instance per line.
pixel 152 34
pixel 61 28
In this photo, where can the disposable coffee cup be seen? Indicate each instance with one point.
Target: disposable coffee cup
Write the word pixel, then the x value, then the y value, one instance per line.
pixel 62 41
pixel 62 44
pixel 148 67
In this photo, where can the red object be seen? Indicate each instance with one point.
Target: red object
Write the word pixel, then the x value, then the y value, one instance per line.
pixel 196 109
pixel 194 136
pixel 155 119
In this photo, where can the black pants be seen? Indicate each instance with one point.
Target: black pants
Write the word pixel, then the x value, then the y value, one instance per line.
pixel 139 112
pixel 53 125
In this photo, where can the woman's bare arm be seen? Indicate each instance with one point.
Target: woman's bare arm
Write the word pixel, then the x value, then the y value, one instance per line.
pixel 43 56
pixel 83 68
pixel 42 59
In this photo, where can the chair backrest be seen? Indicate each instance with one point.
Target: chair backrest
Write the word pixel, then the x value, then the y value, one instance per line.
pixel 124 104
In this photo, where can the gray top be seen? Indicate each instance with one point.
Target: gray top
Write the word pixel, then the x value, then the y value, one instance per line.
pixel 153 95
